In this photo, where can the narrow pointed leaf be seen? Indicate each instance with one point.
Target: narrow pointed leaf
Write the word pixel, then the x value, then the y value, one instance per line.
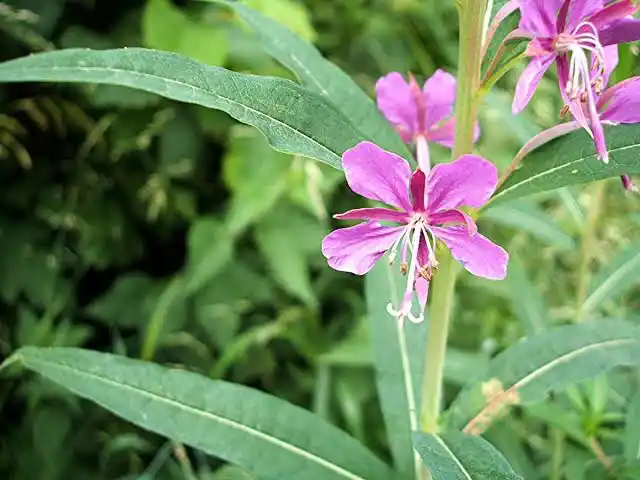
pixel 293 119
pixel 526 300
pixel 274 439
pixel 615 279
pixel 321 76
pixel 545 362
pixel 632 430
pixel 527 216
pixel 398 378
pixel 456 456
pixel 571 160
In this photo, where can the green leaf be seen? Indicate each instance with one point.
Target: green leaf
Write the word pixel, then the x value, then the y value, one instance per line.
pixel 545 362
pixel 256 174
pixel 632 430
pixel 129 301
pixel 290 13
pixel 527 216
pixel 210 249
pixel 398 376
pixel 571 160
pixel 292 118
pixel 287 239
pixel 526 299
pixel 166 27
pixel 321 76
pixel 456 456
pixel 511 49
pixel 241 425
pixel 615 279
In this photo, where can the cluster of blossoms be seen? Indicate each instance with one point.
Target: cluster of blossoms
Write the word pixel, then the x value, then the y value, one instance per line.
pixel 427 200
pixel 580 37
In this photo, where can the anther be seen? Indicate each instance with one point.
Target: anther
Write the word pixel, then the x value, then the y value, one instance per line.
pixel 404 268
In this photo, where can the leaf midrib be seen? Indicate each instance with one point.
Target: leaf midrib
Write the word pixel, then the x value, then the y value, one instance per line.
pixel 455 459
pixel 568 356
pixel 555 169
pixel 251 431
pixel 183 84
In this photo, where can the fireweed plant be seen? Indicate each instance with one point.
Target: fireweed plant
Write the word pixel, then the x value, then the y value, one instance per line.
pixel 412 243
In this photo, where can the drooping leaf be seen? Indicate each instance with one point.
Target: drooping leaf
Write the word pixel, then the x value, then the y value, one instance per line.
pixel 287 238
pixel 615 279
pixel 545 362
pixel 571 160
pixel 321 76
pixel 256 174
pixel 294 119
pixel 527 216
pixel 456 456
pixel 210 249
pixel 398 357
pixel 244 426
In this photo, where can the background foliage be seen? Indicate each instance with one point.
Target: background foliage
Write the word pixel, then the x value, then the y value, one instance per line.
pixel 158 230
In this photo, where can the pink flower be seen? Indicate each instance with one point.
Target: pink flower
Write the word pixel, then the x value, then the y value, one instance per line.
pixel 574 34
pixel 619 104
pixel 420 115
pixel 427 211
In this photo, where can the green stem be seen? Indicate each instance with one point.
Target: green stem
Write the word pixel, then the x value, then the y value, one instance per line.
pixel 472 14
pixel 469 68
pixel 439 316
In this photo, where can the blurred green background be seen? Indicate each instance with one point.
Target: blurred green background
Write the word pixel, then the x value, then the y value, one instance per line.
pixel 164 231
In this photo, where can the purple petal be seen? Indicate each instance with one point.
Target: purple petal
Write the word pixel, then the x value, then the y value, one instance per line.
pixel 440 96
pixel 610 63
pixel 476 253
pixel 469 181
pixel 422 290
pixel 529 80
pixel 356 249
pixel 378 175
pixel 454 216
pixel 627 184
pixel 418 184
pixel 539 16
pixel 621 103
pixel 443 134
pixel 579 10
pixel 421 284
pixel 378 214
pixel 397 103
pixel 612 13
pixel 622 31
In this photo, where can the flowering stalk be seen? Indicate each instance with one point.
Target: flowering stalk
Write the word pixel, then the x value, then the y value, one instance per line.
pixel 471 14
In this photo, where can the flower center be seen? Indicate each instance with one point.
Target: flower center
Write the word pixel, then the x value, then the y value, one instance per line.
pixel 583 45
pixel 416 235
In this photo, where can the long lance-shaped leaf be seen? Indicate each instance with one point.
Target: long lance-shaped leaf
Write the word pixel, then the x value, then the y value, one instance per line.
pixel 398 356
pixel 570 160
pixel 456 456
pixel 548 361
pixel 321 76
pixel 294 119
pixel 615 279
pixel 249 428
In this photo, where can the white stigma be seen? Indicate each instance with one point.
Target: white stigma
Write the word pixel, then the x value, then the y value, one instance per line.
pixel 410 239
pixel 582 48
